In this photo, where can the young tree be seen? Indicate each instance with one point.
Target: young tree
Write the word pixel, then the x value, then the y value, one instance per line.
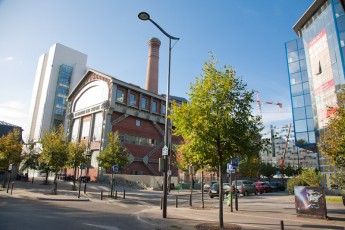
pixel 10 150
pixel 311 176
pixel 250 167
pixel 333 141
pixel 30 157
pixel 113 154
pixel 76 157
pixel 54 152
pixel 218 119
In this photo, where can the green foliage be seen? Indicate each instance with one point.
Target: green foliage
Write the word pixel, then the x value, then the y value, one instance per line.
pixel 311 176
pixel 333 138
pixel 308 177
pixel 10 149
pixel 295 181
pixel 113 154
pixel 289 171
pixel 54 150
pixel 338 179
pixel 267 170
pixel 217 122
pixel 76 154
pixel 30 158
pixel 250 167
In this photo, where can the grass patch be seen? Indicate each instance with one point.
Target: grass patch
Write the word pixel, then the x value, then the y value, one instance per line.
pixel 334 198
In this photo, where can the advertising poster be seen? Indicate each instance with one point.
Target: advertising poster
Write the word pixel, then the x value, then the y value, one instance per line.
pixel 310 201
pixel 322 78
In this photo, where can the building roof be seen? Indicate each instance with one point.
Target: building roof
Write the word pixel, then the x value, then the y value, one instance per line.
pixel 307 15
pixel 8 124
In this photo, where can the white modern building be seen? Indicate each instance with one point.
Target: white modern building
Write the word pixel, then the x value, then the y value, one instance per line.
pixel 58 72
pixel 282 140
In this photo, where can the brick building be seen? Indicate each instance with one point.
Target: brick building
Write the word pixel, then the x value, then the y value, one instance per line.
pixel 100 104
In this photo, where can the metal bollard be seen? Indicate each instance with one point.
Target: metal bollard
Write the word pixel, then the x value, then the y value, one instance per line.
pixel 12 187
pixel 101 195
pixel 176 201
pixel 281 225
pixel 85 188
pixel 124 194
pixel 115 194
pixel 32 181
pixel 161 203
pixel 190 200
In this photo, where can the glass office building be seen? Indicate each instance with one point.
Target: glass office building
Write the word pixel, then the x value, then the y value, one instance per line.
pixel 316 72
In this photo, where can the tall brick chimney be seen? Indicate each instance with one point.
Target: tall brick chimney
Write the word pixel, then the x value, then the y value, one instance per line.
pixel 152 65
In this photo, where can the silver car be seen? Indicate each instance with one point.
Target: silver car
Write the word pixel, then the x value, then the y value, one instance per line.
pixel 245 187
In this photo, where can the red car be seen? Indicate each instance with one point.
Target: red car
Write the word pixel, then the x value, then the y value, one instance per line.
pixel 262 187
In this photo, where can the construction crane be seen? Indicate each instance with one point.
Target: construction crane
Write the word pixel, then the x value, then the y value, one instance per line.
pixel 259 102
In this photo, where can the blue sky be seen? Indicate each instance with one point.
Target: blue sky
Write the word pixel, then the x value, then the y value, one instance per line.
pixel 246 34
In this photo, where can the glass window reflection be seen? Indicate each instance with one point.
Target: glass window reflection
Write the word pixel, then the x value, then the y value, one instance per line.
pixel 299 113
pixel 301 126
pixel 298 101
pixel 296 78
pixel 291 46
pixel 294 67
pixel 296 89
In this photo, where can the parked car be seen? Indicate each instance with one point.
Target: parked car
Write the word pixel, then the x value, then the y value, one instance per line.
pixel 214 190
pixel 262 187
pixel 273 186
pixel 208 185
pixel 278 185
pixel 245 187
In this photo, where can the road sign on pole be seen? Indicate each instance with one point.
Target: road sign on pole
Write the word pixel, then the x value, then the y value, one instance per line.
pixel 229 168
pixel 165 151
pixel 115 168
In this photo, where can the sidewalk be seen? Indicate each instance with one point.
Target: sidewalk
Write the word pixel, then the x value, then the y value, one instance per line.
pixel 255 212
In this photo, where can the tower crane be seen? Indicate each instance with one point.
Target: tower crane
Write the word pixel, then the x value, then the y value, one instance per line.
pixel 259 102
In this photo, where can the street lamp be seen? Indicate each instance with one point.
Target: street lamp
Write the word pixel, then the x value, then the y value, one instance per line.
pixel 145 16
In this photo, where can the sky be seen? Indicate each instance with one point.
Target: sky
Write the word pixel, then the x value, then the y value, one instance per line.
pixel 248 35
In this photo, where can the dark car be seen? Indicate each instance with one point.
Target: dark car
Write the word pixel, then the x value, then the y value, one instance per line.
pixel 278 185
pixel 262 187
pixel 208 185
pixel 214 190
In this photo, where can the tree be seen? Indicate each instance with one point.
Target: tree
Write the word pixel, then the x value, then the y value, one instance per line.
pixel 113 154
pixel 217 122
pixel 332 142
pixel 267 170
pixel 30 157
pixel 311 176
pixel 76 157
pixel 250 167
pixel 54 152
pixel 10 150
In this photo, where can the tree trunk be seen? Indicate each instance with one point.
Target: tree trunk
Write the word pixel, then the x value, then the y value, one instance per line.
pixel 74 187
pixel 221 221
pixel 55 185
pixel 202 188
pixel 47 171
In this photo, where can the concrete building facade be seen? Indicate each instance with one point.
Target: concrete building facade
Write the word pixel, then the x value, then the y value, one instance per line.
pixel 57 72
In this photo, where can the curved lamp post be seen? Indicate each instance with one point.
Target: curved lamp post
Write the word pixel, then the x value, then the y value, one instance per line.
pixel 145 16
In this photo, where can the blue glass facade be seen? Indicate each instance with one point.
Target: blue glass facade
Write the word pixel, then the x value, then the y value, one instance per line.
pixel 62 90
pixel 316 72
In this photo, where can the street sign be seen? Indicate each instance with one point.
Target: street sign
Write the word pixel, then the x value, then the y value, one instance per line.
pixel 115 168
pixel 165 151
pixel 234 163
pixel 10 167
pixel 230 168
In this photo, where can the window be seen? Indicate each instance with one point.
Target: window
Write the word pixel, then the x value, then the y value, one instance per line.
pixel 137 122
pixel 163 109
pixel 154 107
pixel 144 103
pixel 119 95
pixel 97 129
pixel 75 130
pixel 132 101
pixel 86 129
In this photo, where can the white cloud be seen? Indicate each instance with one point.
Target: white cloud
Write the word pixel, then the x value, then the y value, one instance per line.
pixel 14 112
pixel 8 59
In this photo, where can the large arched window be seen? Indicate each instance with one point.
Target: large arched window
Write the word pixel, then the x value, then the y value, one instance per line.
pixel 92 94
